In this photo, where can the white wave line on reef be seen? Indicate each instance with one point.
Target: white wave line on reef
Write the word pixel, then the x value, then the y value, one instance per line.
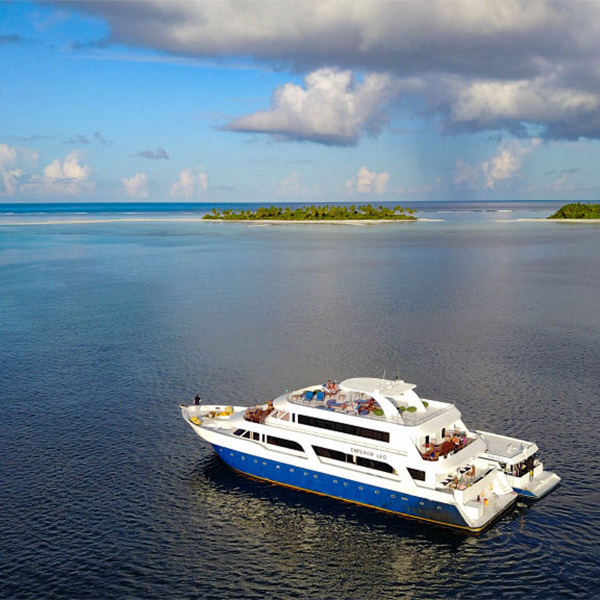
pixel 200 219
pixel 92 221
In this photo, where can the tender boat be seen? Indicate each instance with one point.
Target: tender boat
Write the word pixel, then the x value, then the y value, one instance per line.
pixel 374 442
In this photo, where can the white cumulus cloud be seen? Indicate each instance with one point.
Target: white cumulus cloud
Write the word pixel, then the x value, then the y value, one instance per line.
pixel 136 186
pixel 68 176
pixel 331 108
pixel 368 182
pixel 19 175
pixel 8 156
pixel 191 184
pixel 12 180
pixel 15 165
pixel 503 166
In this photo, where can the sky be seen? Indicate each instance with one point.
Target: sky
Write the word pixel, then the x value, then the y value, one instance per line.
pixel 299 100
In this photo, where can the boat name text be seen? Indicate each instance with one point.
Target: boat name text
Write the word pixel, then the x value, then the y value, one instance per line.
pixel 368 453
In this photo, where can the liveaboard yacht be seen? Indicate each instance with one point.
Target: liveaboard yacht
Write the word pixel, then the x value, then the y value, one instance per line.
pixel 374 442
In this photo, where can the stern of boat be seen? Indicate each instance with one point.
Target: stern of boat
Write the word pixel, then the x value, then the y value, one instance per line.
pixel 486 500
pixel 536 486
pixel 518 461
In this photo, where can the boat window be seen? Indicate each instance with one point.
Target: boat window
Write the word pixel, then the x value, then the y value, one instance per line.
pixel 373 434
pixel 350 458
pixel 249 435
pixel 374 464
pixel 282 415
pixel 277 441
pixel 416 474
pixel 333 454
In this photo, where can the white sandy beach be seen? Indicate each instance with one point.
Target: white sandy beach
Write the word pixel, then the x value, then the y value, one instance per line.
pixel 560 220
pixel 263 222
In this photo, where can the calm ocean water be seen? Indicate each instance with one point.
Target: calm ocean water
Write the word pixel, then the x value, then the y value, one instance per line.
pixel 106 327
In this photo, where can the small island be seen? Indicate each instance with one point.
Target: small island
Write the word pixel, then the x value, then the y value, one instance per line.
pixel 315 213
pixel 577 210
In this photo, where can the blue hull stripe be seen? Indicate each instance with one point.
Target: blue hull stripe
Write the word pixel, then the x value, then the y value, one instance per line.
pixel 344 489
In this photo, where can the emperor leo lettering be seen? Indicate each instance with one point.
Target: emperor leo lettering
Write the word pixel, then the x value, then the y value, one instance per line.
pixel 369 453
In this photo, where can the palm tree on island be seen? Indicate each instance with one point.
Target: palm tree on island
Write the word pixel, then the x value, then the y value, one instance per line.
pixel 577 210
pixel 365 212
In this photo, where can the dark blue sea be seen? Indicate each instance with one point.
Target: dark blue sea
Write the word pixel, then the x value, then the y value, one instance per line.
pixel 111 315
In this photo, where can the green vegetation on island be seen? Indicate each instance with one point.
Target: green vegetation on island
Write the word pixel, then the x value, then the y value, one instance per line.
pixel 577 210
pixel 314 213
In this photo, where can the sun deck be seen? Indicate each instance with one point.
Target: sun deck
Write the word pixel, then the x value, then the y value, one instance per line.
pixel 360 404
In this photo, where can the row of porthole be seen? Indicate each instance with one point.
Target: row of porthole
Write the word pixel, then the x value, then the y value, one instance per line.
pixel 360 487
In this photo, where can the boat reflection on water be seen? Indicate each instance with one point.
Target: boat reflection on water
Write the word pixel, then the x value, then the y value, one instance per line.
pixel 367 551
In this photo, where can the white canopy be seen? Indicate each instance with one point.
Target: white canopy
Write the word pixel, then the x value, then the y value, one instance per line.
pixel 383 390
pixel 373 385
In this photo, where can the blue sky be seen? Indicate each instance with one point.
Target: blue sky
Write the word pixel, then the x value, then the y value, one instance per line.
pixel 281 100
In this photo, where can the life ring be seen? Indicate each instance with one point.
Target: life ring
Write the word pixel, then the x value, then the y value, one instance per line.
pixel 195 420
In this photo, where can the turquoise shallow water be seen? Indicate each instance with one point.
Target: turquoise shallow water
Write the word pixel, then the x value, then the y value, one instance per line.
pixel 106 327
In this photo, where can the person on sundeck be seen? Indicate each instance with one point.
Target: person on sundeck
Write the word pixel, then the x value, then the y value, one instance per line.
pixel 330 387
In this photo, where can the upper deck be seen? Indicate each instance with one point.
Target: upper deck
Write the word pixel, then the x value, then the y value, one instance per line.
pixel 436 430
pixel 372 399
